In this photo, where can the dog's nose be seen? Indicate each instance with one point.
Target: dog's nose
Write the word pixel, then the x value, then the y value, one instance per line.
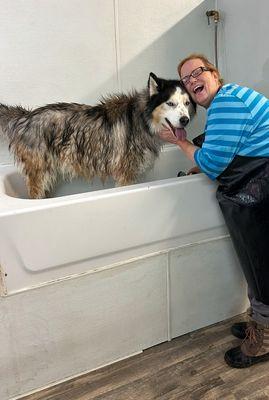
pixel 184 120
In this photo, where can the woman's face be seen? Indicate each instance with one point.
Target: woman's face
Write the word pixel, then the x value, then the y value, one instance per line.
pixel 204 87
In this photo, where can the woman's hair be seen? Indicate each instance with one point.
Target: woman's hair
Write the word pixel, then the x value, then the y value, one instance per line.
pixel 206 62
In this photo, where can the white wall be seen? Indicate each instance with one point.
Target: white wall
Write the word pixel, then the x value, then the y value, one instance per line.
pixel 79 50
pixel 244 44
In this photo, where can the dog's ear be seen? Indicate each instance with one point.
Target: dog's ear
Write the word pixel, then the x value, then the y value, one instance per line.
pixel 153 84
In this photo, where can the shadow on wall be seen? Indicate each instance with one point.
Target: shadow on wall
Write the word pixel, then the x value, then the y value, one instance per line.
pixel 190 34
pixel 263 85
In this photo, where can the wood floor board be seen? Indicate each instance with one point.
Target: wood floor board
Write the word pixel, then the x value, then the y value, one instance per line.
pixel 190 367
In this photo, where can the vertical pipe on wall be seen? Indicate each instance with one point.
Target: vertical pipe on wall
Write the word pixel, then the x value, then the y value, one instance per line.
pixel 216 17
pixel 216 45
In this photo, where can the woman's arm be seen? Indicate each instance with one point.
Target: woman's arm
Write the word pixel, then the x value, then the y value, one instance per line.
pixel 188 148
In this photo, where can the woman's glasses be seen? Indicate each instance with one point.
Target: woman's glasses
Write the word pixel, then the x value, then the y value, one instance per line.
pixel 196 72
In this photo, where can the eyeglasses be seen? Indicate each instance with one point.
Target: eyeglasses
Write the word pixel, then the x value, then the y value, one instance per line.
pixel 195 73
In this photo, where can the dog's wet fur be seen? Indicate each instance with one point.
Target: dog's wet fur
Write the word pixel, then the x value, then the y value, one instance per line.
pixel 117 137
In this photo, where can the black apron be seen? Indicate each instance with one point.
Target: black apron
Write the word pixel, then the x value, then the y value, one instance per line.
pixel 243 196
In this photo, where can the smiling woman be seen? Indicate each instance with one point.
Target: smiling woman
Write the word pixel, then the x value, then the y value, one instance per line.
pixel 235 151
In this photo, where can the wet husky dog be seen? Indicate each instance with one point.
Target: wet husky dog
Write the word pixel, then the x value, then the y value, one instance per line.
pixel 117 137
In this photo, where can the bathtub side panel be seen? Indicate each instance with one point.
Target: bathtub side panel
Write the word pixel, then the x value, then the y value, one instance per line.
pixel 54 236
pixel 41 245
pixel 207 285
pixel 71 327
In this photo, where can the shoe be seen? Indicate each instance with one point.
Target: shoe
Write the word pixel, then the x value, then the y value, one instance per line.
pixel 239 330
pixel 235 358
pixel 253 350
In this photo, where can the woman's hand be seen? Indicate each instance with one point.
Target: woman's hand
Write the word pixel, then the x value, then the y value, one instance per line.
pixel 179 138
pixel 194 170
pixel 167 135
pixel 174 137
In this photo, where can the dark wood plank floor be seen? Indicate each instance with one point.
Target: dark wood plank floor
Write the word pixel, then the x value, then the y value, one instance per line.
pixel 188 367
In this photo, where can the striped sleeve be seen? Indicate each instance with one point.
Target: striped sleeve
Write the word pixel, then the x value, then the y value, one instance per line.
pixel 229 123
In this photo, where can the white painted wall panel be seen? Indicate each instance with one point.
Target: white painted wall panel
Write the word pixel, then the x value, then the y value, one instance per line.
pixel 244 45
pixel 56 50
pixel 156 36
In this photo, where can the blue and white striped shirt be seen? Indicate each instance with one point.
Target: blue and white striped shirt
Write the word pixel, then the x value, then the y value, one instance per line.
pixel 237 124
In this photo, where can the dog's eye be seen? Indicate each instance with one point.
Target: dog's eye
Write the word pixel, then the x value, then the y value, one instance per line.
pixel 187 103
pixel 170 104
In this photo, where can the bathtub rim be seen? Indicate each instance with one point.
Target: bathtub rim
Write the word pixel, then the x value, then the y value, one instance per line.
pixel 11 205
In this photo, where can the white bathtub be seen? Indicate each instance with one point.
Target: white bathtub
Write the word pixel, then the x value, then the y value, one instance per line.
pixel 83 228
pixel 93 277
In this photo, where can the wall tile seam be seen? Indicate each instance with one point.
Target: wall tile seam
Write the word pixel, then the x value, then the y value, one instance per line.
pixel 117 42
pixel 168 295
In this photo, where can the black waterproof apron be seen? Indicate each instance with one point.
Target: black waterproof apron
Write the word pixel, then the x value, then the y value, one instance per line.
pixel 243 196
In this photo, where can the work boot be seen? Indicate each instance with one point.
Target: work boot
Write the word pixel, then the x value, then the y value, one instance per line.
pixel 254 348
pixel 239 328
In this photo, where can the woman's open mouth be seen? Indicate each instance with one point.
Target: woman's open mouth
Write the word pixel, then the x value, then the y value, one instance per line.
pixel 197 89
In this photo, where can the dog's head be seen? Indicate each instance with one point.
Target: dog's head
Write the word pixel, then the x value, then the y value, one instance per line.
pixel 170 105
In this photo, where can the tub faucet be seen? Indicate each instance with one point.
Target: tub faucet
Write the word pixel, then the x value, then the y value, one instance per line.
pixel 214 14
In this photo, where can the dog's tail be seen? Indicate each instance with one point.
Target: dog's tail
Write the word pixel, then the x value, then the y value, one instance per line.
pixel 9 116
